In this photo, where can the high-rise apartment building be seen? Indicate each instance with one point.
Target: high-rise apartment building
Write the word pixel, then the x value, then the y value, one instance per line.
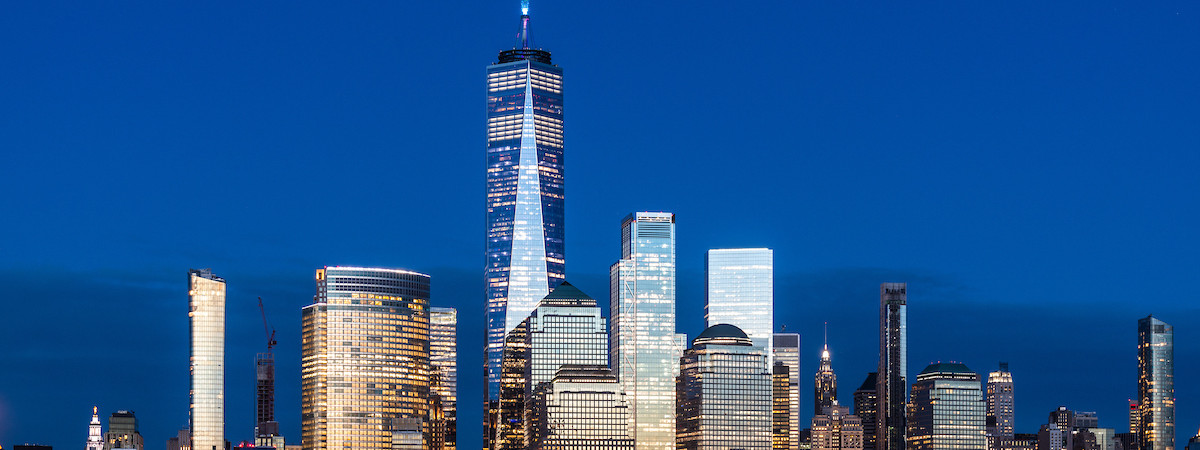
pixel 785 348
pixel 643 344
pixel 824 384
pixel 892 380
pixel 948 411
pixel 365 359
pixel 443 361
pixel 740 290
pixel 836 429
pixel 525 251
pixel 580 408
pixel 123 432
pixel 206 296
pixel 865 402
pixel 95 440
pixel 724 393
pixel 1156 385
pixel 1000 409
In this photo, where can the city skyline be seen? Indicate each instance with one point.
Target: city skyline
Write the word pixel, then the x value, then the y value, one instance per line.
pixel 138 284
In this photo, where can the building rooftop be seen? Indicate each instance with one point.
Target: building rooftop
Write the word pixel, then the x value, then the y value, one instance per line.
pixel 951 369
pixel 869 383
pixel 724 334
pixel 567 294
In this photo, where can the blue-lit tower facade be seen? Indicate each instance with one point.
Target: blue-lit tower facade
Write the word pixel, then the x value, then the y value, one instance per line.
pixel 525 225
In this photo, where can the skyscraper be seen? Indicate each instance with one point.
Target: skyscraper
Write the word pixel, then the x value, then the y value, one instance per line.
pixel 643 344
pixel 95 440
pixel 123 432
pixel 443 359
pixel 206 293
pixel 1000 409
pixel 266 429
pixel 364 377
pixel 947 410
pixel 824 384
pixel 580 408
pixel 865 402
pixel 525 252
pixel 786 350
pixel 1156 385
pixel 892 380
pixel 781 408
pixel 740 290
pixel 724 393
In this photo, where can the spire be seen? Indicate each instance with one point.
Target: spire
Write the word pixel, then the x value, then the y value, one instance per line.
pixel 524 36
pixel 825 352
pixel 524 49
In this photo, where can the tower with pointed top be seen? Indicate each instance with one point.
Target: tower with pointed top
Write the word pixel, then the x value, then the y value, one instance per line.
pixel 95 439
pixel 525 253
pixel 824 383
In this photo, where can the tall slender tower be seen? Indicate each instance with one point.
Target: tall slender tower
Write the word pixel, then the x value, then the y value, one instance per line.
pixel 892 380
pixel 786 350
pixel 1156 385
pixel 824 383
pixel 206 293
pixel 443 359
pixel 524 238
pixel 1000 408
pixel 95 439
pixel 643 345
pixel 740 290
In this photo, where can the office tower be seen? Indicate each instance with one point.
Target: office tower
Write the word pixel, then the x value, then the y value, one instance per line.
pixel 781 407
pixel 724 393
pixel 181 441
pixel 443 359
pixel 643 341
pixel 739 289
pixel 1064 420
pixel 123 432
pixel 824 383
pixel 364 358
pixel 95 440
pixel 207 298
pixel 1156 385
pixel 580 408
pixel 893 367
pixel 1000 412
pixel 525 223
pixel 786 350
pixel 1052 437
pixel 836 429
pixel 865 402
pixel 948 410
pixel 566 328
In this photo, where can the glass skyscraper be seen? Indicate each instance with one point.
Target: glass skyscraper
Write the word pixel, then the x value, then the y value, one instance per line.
pixel 644 347
pixel 724 393
pixel 206 293
pixel 581 408
pixel 948 410
pixel 525 253
pixel 892 377
pixel 443 360
pixel 1156 385
pixel 740 290
pixel 365 359
pixel 786 351
pixel 1000 407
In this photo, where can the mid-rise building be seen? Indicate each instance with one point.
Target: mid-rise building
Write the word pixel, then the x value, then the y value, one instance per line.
pixel 365 359
pixel 1053 437
pixel 724 393
pixel 824 384
pixel 180 441
pixel 580 408
pixel 948 410
pixel 1000 407
pixel 866 399
pixel 524 239
pixel 781 408
pixel 836 429
pixel 740 290
pixel 786 350
pixel 206 294
pixel 95 440
pixel 1156 385
pixel 123 432
pixel 643 344
pixel 443 359
pixel 892 387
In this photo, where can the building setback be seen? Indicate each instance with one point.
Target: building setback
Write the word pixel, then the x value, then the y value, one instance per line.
pixel 580 408
pixel 836 429
pixel 948 409
pixel 724 393
pixel 824 384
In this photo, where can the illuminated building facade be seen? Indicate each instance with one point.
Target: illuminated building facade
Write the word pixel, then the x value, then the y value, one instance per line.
pixel 824 384
pixel 892 377
pixel 123 432
pixel 95 440
pixel 781 408
pixel 739 286
pixel 580 408
pixel 724 393
pixel 525 252
pixel 365 358
pixel 1156 385
pixel 206 293
pixel 785 349
pixel 643 344
pixel 865 402
pixel 836 429
pixel 948 411
pixel 443 359
pixel 1000 407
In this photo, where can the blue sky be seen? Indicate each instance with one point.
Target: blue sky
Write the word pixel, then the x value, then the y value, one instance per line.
pixel 1029 168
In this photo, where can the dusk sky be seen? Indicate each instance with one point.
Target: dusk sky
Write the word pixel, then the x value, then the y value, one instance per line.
pixel 1031 169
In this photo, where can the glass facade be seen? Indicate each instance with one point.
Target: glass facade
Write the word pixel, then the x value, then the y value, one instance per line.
pixel 1000 407
pixel 206 293
pixel 365 358
pixel 865 402
pixel 1156 385
pixel 525 252
pixel 948 411
pixel 724 393
pixel 892 386
pixel 739 286
pixel 580 408
pixel 443 359
pixel 643 344
pixel 785 348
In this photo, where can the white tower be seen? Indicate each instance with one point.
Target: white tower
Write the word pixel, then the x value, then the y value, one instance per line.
pixel 95 434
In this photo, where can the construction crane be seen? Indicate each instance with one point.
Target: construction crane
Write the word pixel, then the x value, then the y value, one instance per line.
pixel 266 428
pixel 270 332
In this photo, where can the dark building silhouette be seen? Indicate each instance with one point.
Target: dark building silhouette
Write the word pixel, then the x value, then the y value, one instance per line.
pixel 866 399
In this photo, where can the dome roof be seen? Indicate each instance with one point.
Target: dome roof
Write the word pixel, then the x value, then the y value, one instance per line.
pixel 722 330
pixel 947 367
